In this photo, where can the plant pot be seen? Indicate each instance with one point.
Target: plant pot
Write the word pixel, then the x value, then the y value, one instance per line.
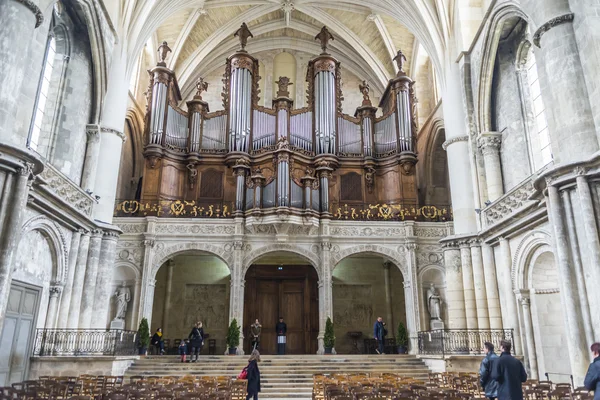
pixel 402 350
pixel 142 351
pixel 232 351
pixel 328 350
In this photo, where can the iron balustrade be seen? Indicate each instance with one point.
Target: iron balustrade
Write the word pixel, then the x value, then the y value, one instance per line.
pixel 84 342
pixel 353 211
pixel 460 341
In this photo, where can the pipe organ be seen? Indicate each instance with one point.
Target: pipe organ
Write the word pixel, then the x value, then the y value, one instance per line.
pixel 257 159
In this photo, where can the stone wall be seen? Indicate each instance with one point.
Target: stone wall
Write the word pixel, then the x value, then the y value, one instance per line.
pixel 75 366
pixel 359 298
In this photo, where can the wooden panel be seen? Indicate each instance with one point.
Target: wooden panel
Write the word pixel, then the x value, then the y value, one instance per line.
pixel 292 310
pixel 267 304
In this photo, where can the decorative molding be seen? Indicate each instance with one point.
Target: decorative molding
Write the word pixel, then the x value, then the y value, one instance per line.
pixel 66 190
pixel 453 140
pixel 561 19
pixel 39 16
pixel 206 229
pixel 132 228
pixel 547 291
pixel 506 205
pixel 114 132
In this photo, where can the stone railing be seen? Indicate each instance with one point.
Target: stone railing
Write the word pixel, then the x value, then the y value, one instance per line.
pixel 508 204
pixel 73 195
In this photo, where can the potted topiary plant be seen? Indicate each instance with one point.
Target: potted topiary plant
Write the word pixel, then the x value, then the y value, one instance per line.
pixel 402 339
pixel 233 337
pixel 329 338
pixel 143 334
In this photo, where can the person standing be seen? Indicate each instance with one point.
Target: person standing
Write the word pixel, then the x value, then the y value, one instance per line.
pixel 182 350
pixel 158 341
pixel 592 378
pixel 379 333
pixel 281 329
pixel 489 385
pixel 196 337
pixel 253 375
pixel 255 330
pixel 509 373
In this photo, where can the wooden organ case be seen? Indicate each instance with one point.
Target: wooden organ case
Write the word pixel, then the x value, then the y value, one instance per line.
pixel 251 160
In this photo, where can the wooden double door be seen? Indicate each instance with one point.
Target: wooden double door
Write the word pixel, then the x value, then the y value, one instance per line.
pixel 290 292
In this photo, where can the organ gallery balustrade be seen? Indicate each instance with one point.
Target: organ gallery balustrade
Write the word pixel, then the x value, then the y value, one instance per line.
pixel 250 158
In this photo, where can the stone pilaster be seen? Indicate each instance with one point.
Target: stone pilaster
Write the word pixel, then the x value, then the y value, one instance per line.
pixel 65 301
pixel 103 292
pixel 18 20
pixel 468 284
pixel 577 346
pixel 591 246
pixel 78 280
pixel 325 293
pixel 510 316
pixel 135 309
pixel 454 287
pixel 167 301
pixel 528 326
pixel 562 79
pixel 483 320
pixel 54 297
pixel 491 287
pixel 89 282
pixel 387 283
pixel 411 297
pixel 92 152
pixel 489 143
pixel 148 281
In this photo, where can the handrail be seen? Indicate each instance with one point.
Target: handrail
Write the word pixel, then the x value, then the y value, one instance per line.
pixel 84 342
pixel 460 341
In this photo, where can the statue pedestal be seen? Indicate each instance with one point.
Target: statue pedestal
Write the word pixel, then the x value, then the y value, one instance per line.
pixel 436 324
pixel 117 324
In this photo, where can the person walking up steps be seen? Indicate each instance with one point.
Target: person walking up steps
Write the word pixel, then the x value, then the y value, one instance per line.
pixel 253 375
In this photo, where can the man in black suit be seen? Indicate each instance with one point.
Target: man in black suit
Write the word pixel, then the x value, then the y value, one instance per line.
pixel 281 329
pixel 509 373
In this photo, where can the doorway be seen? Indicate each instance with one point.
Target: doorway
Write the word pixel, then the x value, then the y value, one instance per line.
pixel 283 290
pixel 17 333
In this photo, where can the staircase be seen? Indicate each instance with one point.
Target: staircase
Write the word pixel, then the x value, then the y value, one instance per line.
pixel 282 377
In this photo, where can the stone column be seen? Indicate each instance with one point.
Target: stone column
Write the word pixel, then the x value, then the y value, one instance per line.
pixel 468 284
pixel 65 301
pixel 92 152
pixel 388 296
pixel 54 292
pixel 168 290
pixel 562 80
pixel 455 297
pixel 147 283
pixel 104 279
pixel 510 317
pixel 18 20
pixel 577 267
pixel 528 326
pixel 591 245
pixel 89 282
pixel 483 320
pixel 78 279
pixel 577 347
pixel 325 293
pixel 411 297
pixel 491 287
pixel 135 310
pixel 236 294
pixel 14 201
pixel 489 144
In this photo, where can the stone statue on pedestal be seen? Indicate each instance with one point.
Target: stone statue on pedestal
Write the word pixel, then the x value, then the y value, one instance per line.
pixel 123 295
pixel 434 306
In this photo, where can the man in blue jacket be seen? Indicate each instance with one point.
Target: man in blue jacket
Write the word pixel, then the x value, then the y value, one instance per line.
pixel 379 333
pixel 592 378
pixel 509 373
pixel 489 385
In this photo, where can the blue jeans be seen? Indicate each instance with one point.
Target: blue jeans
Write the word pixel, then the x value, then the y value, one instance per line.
pixel 380 344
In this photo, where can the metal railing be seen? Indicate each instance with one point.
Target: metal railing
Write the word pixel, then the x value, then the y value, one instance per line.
pixel 84 342
pixel 390 212
pixel 460 341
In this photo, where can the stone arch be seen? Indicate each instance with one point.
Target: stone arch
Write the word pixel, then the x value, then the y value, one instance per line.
pixel 130 265
pixel 167 252
pixel 397 258
pixel 311 257
pixel 525 254
pixel 488 60
pixel 57 241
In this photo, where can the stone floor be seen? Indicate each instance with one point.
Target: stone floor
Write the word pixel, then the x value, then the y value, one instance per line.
pixel 283 376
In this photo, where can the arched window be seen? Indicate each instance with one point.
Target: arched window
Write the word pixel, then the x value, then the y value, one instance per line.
pixel 539 138
pixel 41 102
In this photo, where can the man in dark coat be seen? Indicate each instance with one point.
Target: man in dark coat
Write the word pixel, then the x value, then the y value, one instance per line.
pixel 253 375
pixel 489 385
pixel 509 373
pixel 281 329
pixel 592 378
pixel 379 333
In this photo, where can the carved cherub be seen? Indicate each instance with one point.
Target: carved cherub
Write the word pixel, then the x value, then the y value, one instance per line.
pixel 283 84
pixel 163 52
pixel 192 174
pixel 400 60
pixel 364 89
pixel 201 86
pixel 324 36
pixel 243 33
pixel 370 178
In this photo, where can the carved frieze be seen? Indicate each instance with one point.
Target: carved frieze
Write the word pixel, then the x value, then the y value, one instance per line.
pixel 561 19
pixel 208 229
pixel 355 231
pixel 66 190
pixel 509 203
pixel 430 232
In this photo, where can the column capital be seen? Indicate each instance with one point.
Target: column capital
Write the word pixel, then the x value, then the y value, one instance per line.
pixel 97 233
pixel 453 140
pixel 93 133
pixel 387 264
pixel 39 16
pixel 489 142
pixel 561 19
pixel 55 291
